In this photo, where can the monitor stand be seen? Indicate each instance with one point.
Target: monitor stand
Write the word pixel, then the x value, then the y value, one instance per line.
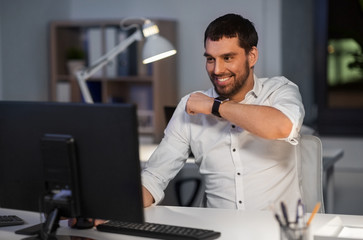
pixel 47 230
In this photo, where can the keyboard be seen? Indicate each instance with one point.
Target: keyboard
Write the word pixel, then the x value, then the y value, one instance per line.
pixel 155 230
pixel 10 220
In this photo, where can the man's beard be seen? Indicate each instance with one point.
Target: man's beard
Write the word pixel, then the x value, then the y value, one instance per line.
pixel 233 88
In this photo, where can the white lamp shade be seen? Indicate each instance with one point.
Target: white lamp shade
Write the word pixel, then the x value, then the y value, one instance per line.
pixel 155 48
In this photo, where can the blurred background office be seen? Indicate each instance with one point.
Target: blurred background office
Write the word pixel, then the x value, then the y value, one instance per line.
pixel 289 33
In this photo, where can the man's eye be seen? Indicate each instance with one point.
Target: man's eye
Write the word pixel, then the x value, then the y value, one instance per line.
pixel 227 58
pixel 210 59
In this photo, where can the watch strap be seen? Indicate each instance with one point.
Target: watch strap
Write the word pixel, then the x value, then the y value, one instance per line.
pixel 216 104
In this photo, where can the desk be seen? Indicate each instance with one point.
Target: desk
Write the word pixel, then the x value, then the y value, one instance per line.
pixel 330 157
pixel 233 224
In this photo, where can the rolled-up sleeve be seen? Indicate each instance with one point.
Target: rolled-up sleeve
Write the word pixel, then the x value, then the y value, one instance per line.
pixel 287 99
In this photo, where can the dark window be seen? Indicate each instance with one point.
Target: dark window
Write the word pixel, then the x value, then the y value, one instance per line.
pixel 339 66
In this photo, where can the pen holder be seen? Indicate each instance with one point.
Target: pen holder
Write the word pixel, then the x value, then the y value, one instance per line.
pixel 294 232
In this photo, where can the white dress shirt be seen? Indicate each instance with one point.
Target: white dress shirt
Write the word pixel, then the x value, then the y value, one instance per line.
pixel 241 170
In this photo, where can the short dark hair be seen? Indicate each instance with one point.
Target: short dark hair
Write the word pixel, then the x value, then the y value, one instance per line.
pixel 233 25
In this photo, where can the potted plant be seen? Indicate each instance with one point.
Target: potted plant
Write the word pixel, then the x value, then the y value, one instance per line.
pixel 75 59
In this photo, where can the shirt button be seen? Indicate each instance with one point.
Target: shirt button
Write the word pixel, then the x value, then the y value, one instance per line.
pixel 233 126
pixel 233 149
pixel 240 202
pixel 238 173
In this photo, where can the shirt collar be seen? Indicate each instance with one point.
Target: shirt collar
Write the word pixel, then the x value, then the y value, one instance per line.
pixel 257 87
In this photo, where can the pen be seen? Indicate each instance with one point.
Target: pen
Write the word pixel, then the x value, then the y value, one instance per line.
pixel 284 213
pixel 279 220
pixel 300 214
pixel 316 208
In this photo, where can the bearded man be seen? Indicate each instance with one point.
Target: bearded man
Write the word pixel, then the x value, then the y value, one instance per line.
pixel 242 132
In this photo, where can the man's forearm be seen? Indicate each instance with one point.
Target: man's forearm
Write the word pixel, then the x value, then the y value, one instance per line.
pixel 263 121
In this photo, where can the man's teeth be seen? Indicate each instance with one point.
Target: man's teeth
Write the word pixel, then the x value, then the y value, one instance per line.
pixel 223 79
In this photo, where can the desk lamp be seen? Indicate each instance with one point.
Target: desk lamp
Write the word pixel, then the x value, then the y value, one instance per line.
pixel 155 48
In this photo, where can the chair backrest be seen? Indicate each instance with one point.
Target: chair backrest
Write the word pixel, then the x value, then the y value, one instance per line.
pixel 311 172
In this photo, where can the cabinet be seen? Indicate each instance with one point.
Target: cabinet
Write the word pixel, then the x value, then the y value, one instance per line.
pixel 125 79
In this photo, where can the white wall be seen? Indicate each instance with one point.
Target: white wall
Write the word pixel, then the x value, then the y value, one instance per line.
pixel 24 42
pixel 192 18
pixel 24 39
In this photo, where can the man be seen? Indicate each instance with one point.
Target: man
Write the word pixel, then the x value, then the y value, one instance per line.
pixel 242 132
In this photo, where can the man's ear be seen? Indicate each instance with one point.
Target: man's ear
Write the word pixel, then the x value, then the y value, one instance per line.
pixel 253 56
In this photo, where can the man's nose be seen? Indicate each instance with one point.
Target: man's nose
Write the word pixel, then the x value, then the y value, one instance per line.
pixel 219 67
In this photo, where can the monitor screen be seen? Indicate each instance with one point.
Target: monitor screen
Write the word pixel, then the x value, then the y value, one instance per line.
pixel 106 143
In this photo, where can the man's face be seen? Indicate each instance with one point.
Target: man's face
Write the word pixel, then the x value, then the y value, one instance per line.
pixel 227 66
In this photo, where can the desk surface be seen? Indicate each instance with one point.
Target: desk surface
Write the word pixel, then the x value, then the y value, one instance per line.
pixel 233 224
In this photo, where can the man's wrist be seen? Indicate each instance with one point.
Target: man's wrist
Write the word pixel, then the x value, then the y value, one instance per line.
pixel 216 105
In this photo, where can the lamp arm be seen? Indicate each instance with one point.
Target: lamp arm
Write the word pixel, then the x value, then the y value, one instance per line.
pixel 84 74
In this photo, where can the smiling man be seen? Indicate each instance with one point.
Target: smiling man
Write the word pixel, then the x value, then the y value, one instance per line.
pixel 242 132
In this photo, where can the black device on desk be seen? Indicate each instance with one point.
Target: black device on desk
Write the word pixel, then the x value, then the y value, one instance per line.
pixel 70 159
pixel 10 220
pixel 160 231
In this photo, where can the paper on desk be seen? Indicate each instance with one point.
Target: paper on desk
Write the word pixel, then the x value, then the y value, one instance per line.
pixel 351 233
pixel 335 230
pixel 329 230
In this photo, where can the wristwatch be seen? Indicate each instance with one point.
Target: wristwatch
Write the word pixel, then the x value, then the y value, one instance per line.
pixel 215 108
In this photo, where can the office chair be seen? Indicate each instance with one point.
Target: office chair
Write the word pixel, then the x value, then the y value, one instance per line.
pixel 168 113
pixel 310 169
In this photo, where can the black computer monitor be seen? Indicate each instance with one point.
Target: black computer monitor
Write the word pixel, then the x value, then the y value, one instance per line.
pixel 106 149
